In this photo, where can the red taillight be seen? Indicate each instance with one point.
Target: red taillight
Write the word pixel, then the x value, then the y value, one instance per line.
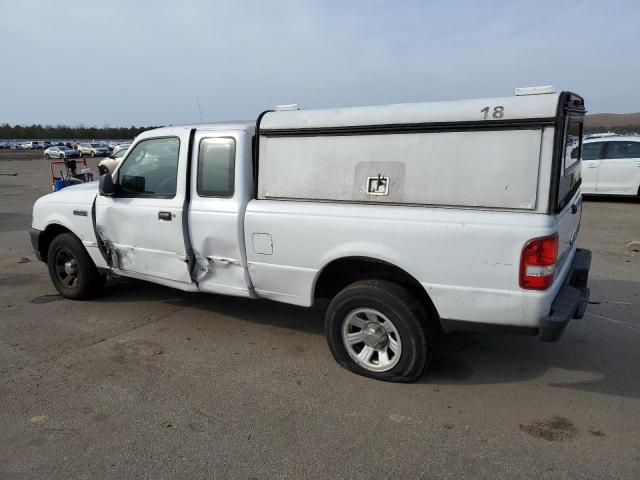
pixel 538 263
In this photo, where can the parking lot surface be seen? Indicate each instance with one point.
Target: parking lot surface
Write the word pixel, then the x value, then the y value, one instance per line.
pixel 149 382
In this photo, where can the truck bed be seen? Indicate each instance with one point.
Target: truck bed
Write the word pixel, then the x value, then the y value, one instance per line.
pixel 466 259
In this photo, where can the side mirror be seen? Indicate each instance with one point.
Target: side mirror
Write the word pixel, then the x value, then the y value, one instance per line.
pixel 106 186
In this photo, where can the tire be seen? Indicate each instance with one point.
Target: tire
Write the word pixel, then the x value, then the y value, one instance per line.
pixel 79 154
pixel 93 154
pixel 61 157
pixel 400 316
pixel 47 156
pixel 72 271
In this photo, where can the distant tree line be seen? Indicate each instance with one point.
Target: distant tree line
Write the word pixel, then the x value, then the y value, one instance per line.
pixel 49 132
pixel 630 129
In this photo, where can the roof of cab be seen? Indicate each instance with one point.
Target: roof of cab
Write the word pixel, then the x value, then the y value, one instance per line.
pixel 246 125
pixel 518 107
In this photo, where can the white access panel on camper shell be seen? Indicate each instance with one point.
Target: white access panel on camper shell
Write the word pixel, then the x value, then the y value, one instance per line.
pixel 493 169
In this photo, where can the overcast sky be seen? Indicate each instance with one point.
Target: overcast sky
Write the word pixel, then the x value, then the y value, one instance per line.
pixel 143 62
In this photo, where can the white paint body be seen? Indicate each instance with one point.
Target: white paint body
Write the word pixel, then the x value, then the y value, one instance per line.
pixel 457 228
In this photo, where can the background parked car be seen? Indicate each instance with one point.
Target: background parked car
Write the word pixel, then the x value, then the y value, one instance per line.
pixel 93 149
pixel 60 152
pixel 121 146
pixel 611 166
pixel 109 164
pixel 4 146
pixel 30 146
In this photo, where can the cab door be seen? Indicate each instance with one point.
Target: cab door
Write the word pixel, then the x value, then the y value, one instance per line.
pixel 141 224
pixel 619 171
pixel 591 155
pixel 220 188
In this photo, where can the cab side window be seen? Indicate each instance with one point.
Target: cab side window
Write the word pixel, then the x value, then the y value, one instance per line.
pixel 216 166
pixel 150 169
pixel 623 150
pixel 592 151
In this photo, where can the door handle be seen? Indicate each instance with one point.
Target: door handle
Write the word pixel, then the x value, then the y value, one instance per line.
pixel 164 215
pixel 592 166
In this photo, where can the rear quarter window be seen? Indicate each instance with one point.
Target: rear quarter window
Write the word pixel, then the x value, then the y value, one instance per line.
pixel 216 166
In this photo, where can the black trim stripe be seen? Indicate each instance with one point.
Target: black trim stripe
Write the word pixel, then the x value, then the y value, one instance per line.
pixel 399 128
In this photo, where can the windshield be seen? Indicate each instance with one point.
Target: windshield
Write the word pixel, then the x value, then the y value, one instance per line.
pixel 96 145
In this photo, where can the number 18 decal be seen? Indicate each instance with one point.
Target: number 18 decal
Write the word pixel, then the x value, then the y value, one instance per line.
pixel 498 112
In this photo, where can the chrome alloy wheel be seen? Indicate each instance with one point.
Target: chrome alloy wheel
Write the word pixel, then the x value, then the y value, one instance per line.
pixel 371 340
pixel 66 268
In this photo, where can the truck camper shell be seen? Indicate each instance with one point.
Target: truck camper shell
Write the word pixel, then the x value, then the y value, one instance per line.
pixel 506 151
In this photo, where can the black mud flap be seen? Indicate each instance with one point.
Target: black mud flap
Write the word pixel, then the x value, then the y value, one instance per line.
pixel 571 301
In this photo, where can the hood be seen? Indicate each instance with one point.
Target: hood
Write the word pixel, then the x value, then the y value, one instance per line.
pixel 58 207
pixel 82 194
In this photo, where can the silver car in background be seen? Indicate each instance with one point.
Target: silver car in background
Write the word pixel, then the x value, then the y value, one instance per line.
pixel 121 146
pixel 30 146
pixel 60 152
pixel 93 149
pixel 109 164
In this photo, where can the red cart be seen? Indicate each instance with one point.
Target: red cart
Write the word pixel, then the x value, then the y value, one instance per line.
pixel 68 175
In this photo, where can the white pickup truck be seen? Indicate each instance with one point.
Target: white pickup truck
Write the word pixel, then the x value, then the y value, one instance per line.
pixel 413 219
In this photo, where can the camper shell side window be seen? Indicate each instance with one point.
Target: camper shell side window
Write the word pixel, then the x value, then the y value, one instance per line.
pixel 568 150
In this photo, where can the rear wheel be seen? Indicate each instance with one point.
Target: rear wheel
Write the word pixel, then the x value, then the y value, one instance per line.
pixel 47 156
pixel 80 153
pixel 93 154
pixel 71 269
pixel 61 156
pixel 376 328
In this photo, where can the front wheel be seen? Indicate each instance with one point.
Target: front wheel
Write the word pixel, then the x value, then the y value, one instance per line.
pixel 93 154
pixel 71 269
pixel 47 156
pixel 376 328
pixel 61 157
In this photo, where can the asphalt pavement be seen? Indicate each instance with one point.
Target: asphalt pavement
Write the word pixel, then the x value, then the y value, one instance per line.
pixel 149 382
